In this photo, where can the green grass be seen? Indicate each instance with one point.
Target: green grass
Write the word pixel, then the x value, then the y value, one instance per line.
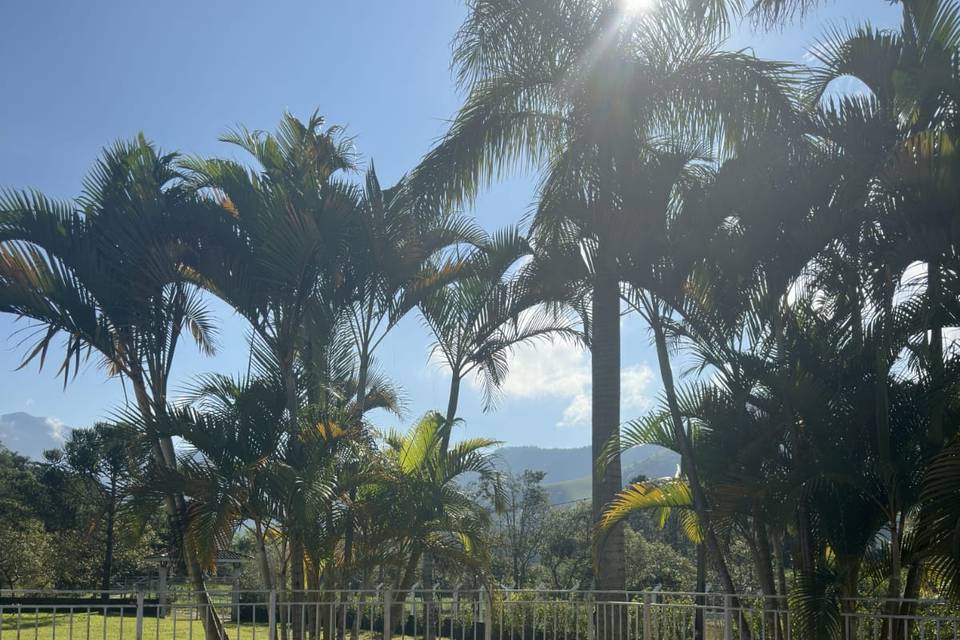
pixel 94 626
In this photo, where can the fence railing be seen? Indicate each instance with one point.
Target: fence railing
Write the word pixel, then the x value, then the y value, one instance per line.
pixel 461 614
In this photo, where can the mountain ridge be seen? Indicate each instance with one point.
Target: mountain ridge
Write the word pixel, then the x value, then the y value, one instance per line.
pixel 31 435
pixel 567 470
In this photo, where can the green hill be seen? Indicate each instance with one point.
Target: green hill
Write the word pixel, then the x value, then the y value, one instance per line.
pixel 568 471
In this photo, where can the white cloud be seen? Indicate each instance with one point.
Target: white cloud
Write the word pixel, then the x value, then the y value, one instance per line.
pixel 561 370
pixel 634 386
pixel 555 369
pixel 577 412
pixel 58 430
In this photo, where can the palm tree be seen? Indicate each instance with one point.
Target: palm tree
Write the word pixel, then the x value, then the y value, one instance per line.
pixel 396 247
pixel 235 441
pixel 108 272
pixel 911 176
pixel 398 243
pixel 920 159
pixel 428 508
pixel 280 258
pixel 479 318
pixel 583 88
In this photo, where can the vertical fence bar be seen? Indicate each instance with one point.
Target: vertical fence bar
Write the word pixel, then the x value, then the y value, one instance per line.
pixel 486 601
pixel 727 617
pixel 589 611
pixel 647 628
pixel 139 627
pixel 272 615
pixel 387 622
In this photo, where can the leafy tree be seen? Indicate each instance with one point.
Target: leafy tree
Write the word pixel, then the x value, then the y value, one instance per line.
pixel 28 555
pixel 582 92
pixel 279 259
pixel 652 564
pixel 106 271
pixel 101 457
pixel 565 557
pixel 522 524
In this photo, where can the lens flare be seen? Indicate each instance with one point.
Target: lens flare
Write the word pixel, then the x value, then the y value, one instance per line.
pixel 635 7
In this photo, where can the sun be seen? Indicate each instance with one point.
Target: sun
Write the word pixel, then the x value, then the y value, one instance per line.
pixel 636 7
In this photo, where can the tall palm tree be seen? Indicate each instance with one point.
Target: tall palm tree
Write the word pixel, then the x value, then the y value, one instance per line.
pixel 397 246
pixel 582 88
pixel 234 440
pixel 912 177
pixel 280 257
pixel 479 318
pixel 109 273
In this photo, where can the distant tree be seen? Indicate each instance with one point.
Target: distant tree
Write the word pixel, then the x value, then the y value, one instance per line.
pixel 26 552
pixel 523 523
pixel 653 563
pixel 27 558
pixel 19 486
pixel 100 457
pixel 565 553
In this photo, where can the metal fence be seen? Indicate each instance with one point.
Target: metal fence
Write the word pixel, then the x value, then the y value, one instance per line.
pixel 460 614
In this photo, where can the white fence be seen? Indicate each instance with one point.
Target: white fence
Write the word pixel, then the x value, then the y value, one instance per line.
pixel 455 614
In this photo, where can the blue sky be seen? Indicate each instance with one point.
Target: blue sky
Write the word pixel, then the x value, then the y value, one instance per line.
pixel 79 75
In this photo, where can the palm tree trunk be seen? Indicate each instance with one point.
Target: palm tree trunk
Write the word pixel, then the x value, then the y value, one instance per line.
pixel 764 561
pixel 700 588
pixel 263 561
pixel 297 584
pixel 294 533
pixel 109 543
pixel 283 596
pixel 768 585
pixel 605 432
pixel 406 581
pixel 176 507
pixel 908 606
pixel 780 554
pixel 430 611
pixel 896 548
pixel 938 397
pixel 700 502
pixel 452 402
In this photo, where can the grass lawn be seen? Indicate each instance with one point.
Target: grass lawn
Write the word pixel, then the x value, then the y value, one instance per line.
pixel 94 626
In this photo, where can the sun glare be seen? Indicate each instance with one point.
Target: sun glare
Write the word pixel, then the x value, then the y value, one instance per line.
pixel 636 7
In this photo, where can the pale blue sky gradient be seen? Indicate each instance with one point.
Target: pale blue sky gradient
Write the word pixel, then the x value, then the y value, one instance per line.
pixel 79 75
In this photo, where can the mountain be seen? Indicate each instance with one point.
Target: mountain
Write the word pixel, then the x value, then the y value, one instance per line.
pixel 569 470
pixel 31 435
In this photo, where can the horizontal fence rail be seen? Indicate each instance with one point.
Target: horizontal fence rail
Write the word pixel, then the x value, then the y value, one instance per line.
pixel 460 614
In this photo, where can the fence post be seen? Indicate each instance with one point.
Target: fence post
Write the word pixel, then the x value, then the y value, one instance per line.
pixel 487 604
pixel 647 628
pixel 387 622
pixel 727 617
pixel 272 615
pixel 139 634
pixel 591 620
